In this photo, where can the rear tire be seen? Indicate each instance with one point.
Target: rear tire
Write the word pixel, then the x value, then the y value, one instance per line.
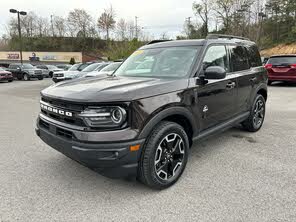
pixel 26 77
pixel 10 80
pixel 164 156
pixel 257 116
pixel 50 74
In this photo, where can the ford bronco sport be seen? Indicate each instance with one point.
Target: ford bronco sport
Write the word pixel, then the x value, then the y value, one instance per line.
pixel 141 120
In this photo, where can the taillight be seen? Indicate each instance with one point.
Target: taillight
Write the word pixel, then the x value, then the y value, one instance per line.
pixel 268 66
pixel 293 66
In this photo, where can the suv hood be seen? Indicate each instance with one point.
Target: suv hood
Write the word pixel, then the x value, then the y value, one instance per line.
pixel 110 89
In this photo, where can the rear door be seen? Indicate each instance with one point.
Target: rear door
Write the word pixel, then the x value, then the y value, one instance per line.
pixel 216 99
pixel 246 65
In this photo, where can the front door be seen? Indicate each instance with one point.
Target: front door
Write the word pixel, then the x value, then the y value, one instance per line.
pixel 216 99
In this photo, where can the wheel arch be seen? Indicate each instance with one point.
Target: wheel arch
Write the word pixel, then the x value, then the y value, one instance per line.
pixel 179 115
pixel 263 92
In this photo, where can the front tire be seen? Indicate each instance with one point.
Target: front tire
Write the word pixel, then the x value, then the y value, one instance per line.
pixel 269 82
pixel 26 77
pixel 40 78
pixel 164 156
pixel 257 116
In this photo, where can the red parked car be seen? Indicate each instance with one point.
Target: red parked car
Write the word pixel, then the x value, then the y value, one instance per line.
pixel 281 68
pixel 5 75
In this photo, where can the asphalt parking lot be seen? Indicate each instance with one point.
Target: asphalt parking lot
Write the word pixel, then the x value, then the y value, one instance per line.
pixel 236 176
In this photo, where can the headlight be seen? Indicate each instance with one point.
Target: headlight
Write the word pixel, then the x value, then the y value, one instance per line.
pixel 104 117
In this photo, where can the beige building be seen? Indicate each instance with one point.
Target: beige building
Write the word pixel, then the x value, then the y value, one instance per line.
pixel 40 57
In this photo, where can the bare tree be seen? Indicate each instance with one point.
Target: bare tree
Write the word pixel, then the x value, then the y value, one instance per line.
pixel 60 26
pixel 203 10
pixel 131 29
pixel 79 21
pixel 122 29
pixel 28 24
pixel 106 21
pixel 224 9
pixel 164 36
pixel 42 25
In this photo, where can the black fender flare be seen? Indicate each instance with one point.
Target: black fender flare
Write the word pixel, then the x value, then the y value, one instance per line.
pixel 262 86
pixel 254 93
pixel 166 113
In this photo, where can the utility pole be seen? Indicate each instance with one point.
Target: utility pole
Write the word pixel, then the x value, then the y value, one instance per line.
pixel 19 29
pixel 189 20
pixel 51 16
pixel 136 27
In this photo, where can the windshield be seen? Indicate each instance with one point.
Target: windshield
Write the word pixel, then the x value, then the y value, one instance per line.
pixel 52 67
pixel 28 66
pixel 172 62
pixel 282 60
pixel 101 66
pixel 111 67
pixel 1 69
pixel 91 67
pixel 74 67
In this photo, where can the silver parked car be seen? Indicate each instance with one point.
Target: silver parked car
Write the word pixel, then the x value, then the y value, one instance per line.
pixel 107 70
pixel 48 70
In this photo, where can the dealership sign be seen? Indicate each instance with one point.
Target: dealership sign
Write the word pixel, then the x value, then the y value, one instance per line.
pixel 41 56
pixel 13 56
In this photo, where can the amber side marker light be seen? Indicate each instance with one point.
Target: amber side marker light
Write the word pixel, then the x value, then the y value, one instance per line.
pixel 135 148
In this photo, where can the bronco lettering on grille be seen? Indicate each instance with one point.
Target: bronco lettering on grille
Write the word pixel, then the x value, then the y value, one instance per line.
pixel 56 110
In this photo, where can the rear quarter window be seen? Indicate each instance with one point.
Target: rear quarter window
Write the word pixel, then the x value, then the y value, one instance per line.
pixel 254 56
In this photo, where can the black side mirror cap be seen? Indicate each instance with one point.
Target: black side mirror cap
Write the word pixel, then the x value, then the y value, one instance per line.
pixel 214 72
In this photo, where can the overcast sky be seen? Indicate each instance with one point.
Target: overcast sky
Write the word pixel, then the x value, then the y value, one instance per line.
pixel 157 16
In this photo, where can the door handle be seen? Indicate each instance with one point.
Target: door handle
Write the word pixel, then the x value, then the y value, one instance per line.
pixel 230 85
pixel 253 79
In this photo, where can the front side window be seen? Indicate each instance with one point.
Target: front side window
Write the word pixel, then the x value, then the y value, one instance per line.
pixel 239 58
pixel 216 56
pixel 169 62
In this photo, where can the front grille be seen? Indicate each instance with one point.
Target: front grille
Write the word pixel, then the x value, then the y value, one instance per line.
pixel 58 75
pixel 64 133
pixel 67 107
pixel 38 72
pixel 2 74
pixel 44 124
pixel 56 130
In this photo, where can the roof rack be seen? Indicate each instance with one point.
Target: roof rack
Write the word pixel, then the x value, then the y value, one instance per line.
pixel 157 41
pixel 218 36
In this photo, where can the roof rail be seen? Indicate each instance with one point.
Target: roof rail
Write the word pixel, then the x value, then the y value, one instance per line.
pixel 218 36
pixel 157 41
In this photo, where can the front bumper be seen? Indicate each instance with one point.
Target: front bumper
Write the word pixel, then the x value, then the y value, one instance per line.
pixel 111 159
pixel 6 78
pixel 36 76
pixel 59 79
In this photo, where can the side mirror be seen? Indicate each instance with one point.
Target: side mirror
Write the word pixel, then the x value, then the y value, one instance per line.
pixel 215 72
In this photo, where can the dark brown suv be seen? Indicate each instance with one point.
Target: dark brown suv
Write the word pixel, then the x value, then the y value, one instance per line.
pixel 141 120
